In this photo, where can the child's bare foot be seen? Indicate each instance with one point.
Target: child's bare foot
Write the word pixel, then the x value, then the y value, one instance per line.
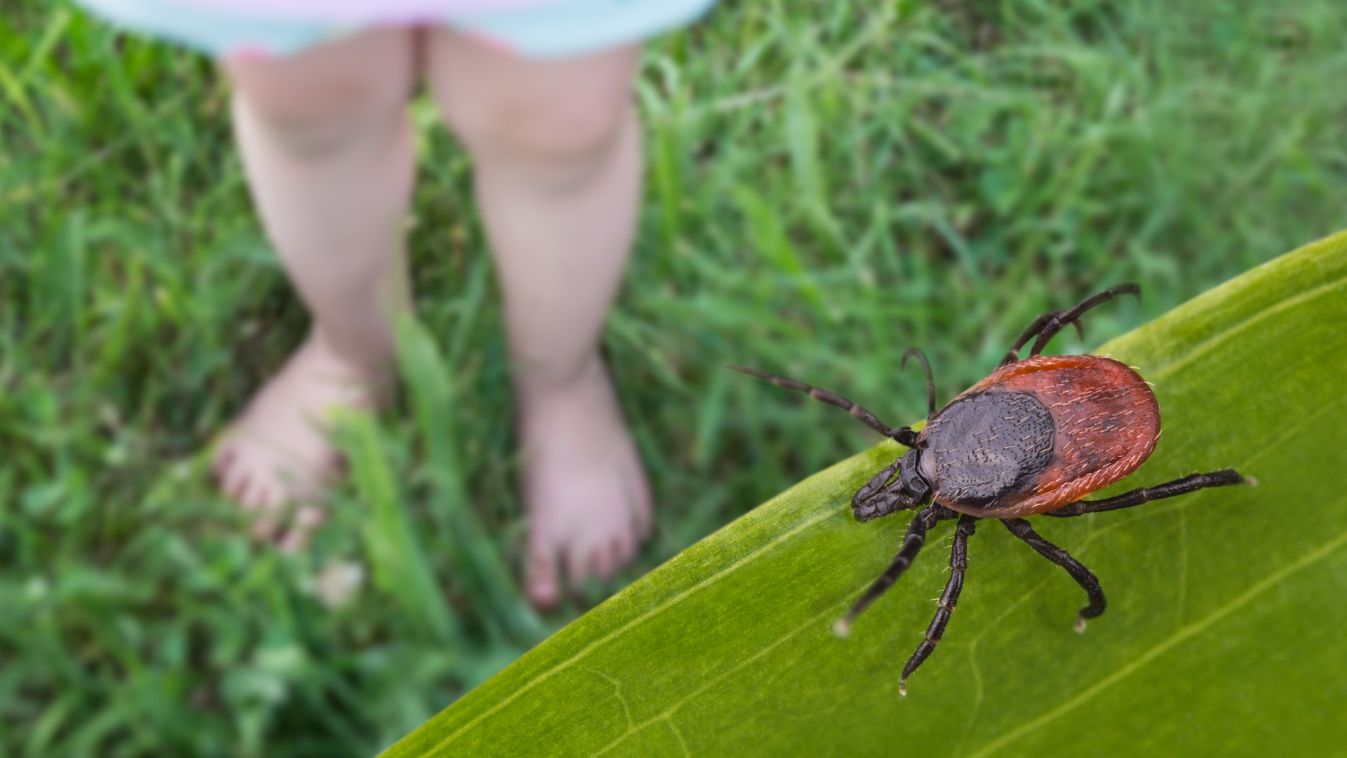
pixel 584 487
pixel 275 460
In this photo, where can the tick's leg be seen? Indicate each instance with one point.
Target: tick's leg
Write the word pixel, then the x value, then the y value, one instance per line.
pixel 1087 580
pixel 1032 331
pixel 913 352
pixel 1056 323
pixel 958 562
pixel 912 542
pixel 877 481
pixel 1187 484
pixel 903 434
pixel 871 501
pixel 1046 326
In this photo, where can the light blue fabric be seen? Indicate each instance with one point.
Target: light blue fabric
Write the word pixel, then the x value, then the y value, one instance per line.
pixel 216 34
pixel 581 26
pixel 567 27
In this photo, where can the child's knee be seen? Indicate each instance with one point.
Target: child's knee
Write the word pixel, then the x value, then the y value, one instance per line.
pixel 557 131
pixel 317 100
pixel 540 112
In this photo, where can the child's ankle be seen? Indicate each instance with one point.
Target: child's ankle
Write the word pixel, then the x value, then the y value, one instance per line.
pixel 543 385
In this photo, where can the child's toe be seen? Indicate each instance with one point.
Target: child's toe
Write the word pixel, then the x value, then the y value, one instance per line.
pixel 602 563
pixel 577 565
pixel 223 461
pixel 541 581
pixel 622 550
pixel 239 486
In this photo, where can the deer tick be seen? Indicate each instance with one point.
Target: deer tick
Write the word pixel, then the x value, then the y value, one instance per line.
pixel 1034 437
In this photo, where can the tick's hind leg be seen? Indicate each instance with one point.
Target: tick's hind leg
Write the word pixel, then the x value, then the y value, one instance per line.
pixel 1083 576
pixel 1033 330
pixel 958 562
pixel 912 542
pixel 1136 497
pixel 1046 326
pixel 902 434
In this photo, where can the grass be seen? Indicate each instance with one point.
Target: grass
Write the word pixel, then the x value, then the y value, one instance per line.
pixel 827 185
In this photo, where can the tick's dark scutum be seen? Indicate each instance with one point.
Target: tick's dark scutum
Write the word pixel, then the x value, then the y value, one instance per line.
pixel 985 445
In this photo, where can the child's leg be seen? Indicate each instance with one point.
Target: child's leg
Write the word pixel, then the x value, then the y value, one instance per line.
pixel 557 163
pixel 328 153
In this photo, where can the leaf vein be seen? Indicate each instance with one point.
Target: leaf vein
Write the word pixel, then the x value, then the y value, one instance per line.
pixel 1215 340
pixel 679 734
pixel 617 693
pixel 1166 645
pixel 668 713
pixel 765 548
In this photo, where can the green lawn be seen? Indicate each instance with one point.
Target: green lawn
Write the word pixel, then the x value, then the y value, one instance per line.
pixel 829 183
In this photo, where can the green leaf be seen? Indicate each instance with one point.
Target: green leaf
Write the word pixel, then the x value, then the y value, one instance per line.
pixel 1224 633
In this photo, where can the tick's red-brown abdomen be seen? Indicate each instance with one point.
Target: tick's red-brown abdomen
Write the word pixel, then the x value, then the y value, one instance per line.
pixel 1106 423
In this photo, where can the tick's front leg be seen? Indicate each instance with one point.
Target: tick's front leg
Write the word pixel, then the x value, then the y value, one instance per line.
pixel 872 500
pixel 958 563
pixel 912 542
